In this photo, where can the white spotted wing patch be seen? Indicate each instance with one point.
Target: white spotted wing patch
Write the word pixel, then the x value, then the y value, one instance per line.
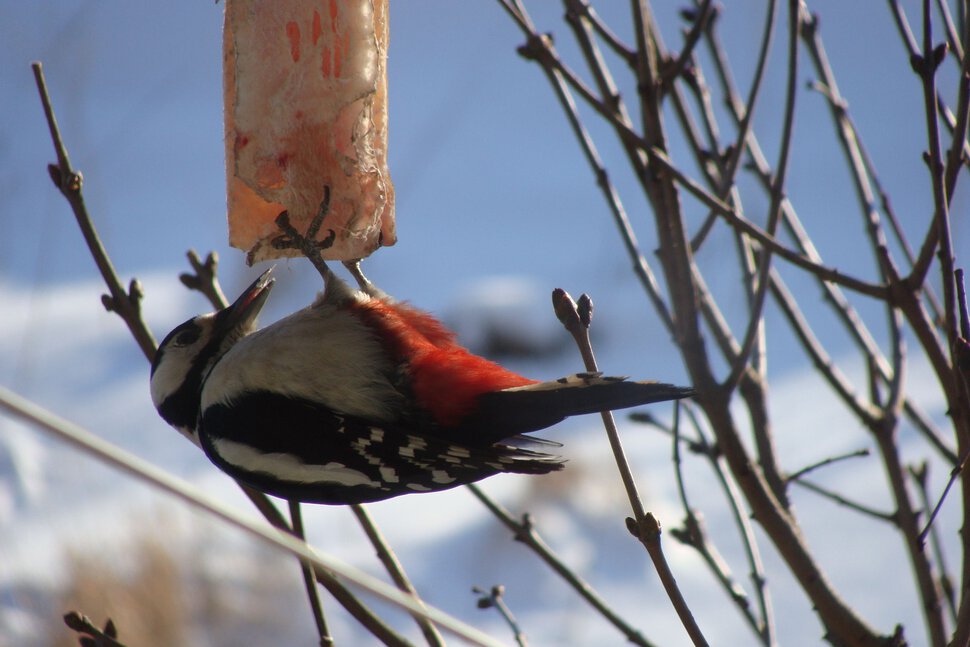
pixel 441 476
pixel 389 474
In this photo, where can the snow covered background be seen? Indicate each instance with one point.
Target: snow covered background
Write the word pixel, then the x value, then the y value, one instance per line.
pixel 495 208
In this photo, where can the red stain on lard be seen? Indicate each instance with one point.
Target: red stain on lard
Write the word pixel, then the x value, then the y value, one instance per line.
pixel 293 33
pixel 317 28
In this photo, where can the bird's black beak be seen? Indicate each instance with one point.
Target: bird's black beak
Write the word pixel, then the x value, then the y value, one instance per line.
pixel 244 310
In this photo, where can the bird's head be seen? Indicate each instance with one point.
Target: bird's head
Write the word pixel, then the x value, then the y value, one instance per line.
pixel 188 353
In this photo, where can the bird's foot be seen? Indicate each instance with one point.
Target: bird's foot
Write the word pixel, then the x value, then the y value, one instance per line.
pixel 362 281
pixel 307 243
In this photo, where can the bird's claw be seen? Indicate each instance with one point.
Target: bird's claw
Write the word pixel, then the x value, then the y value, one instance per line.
pixel 307 244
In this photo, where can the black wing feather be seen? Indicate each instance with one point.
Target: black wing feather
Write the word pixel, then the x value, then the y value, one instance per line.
pixel 298 441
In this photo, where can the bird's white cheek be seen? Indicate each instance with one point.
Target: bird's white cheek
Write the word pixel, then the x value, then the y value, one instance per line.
pixel 167 380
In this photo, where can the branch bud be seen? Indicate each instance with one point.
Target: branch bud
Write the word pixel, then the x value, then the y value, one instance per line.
pixel 565 309
pixel 585 310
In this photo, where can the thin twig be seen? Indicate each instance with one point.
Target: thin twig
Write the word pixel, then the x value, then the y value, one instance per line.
pixel 495 598
pixel 644 272
pixel 843 501
pixel 578 326
pixel 829 370
pixel 203 278
pixel 962 306
pixel 607 34
pixel 859 453
pixel 954 475
pixel 91 635
pixel 952 38
pixel 309 582
pixel 696 536
pixel 524 531
pixel 920 474
pixel 849 138
pixel 643 525
pixel 755 321
pixel 852 139
pixel 539 49
pixel 648 532
pixel 701 17
pixel 69 182
pixel 930 61
pixel 396 571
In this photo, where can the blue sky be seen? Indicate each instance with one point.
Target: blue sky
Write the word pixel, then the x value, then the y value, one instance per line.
pixel 488 177
pixel 489 182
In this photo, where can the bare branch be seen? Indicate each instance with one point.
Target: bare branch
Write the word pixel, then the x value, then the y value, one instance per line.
pixel 777 195
pixel 539 49
pixel 648 532
pixel 309 582
pixel 494 598
pixel 701 17
pixel 640 265
pixel 843 501
pixel 203 278
pixel 920 474
pixel 396 571
pixel 859 453
pixel 69 182
pixel 90 635
pixel 573 322
pixel 660 186
pixel 525 532
pixel 696 536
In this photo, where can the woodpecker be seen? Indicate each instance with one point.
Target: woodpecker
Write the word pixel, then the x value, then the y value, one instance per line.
pixel 359 398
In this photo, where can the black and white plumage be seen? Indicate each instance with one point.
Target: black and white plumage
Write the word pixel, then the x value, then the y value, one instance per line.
pixel 189 351
pixel 360 398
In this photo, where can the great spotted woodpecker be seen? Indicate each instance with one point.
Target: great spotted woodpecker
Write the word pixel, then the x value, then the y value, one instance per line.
pixel 359 398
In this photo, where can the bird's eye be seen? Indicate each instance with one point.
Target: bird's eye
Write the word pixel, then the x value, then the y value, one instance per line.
pixel 187 337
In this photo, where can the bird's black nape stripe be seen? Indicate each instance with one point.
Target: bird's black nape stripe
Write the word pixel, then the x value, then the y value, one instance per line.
pixel 305 451
pixel 181 408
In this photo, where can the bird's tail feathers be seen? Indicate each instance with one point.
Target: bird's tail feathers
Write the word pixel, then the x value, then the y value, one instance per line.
pixel 530 443
pixel 592 392
pixel 513 457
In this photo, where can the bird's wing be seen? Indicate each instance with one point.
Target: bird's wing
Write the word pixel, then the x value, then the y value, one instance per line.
pixel 301 450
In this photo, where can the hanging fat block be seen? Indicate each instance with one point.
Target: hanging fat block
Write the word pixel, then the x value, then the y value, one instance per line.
pixel 305 89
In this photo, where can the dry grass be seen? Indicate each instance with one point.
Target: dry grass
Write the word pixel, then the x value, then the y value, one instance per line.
pixel 197 587
pixel 147 603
